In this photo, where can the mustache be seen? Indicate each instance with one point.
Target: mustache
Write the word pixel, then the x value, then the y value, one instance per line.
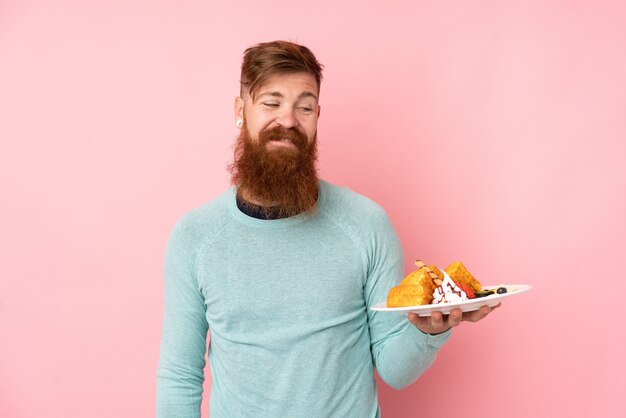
pixel 298 138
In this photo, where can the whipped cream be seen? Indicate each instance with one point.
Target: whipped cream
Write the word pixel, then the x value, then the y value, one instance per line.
pixel 448 292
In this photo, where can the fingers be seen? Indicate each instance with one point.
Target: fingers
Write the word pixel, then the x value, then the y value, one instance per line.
pixel 476 316
pixel 426 323
pixel 434 324
pixel 437 322
pixel 455 317
pixel 414 319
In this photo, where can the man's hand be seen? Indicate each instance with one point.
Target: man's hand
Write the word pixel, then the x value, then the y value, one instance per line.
pixel 438 323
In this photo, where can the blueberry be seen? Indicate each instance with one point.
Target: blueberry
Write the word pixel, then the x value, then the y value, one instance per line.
pixel 501 290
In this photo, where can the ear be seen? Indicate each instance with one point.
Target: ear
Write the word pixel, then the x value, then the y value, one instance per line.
pixel 238 109
pixel 319 109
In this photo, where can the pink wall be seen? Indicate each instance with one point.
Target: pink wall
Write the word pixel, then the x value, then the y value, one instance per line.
pixel 493 133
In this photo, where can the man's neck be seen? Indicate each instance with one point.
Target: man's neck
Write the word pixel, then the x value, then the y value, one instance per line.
pixel 257 211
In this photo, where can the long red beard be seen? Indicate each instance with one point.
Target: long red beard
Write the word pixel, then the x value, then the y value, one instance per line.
pixel 282 180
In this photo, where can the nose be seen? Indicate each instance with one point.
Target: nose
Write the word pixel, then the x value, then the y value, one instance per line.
pixel 287 119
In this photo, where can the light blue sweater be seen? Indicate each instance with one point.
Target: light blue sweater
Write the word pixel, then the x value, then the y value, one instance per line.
pixel 286 302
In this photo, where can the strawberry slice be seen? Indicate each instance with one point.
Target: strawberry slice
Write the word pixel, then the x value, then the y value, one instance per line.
pixel 469 292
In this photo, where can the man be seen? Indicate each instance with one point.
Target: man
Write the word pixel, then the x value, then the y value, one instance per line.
pixel 282 269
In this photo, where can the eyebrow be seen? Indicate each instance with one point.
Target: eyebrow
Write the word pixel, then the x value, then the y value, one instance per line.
pixel 280 95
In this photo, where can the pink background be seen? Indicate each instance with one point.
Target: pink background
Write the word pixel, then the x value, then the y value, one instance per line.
pixel 492 132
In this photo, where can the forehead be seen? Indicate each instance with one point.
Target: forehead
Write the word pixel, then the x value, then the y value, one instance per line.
pixel 289 86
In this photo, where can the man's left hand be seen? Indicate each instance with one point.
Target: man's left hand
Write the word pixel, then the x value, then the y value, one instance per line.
pixel 438 323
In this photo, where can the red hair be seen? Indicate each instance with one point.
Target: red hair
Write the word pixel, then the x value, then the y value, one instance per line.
pixel 267 59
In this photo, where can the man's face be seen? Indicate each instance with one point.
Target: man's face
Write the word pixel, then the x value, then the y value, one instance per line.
pixel 276 152
pixel 289 101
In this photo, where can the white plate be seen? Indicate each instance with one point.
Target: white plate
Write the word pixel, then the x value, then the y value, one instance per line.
pixel 465 306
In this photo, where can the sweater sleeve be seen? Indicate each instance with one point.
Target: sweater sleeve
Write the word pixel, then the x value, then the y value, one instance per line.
pixel 180 372
pixel 400 351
